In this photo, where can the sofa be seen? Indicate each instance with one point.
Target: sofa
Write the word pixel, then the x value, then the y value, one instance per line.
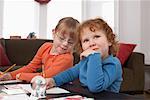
pixel 21 52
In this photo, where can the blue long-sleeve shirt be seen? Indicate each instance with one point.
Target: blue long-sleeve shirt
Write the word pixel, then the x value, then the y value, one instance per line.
pixel 94 73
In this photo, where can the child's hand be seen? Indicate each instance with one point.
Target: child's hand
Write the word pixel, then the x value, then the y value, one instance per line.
pixel 50 83
pixel 4 77
pixel 18 76
pixel 86 53
pixel 1 73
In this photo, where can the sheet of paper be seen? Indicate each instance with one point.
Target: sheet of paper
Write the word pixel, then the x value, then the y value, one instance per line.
pixel 25 88
pixel 56 90
pixel 16 97
pixel 74 97
pixel 9 82
pixel 12 86
pixel 14 91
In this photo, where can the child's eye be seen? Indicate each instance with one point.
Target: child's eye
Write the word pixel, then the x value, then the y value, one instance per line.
pixel 70 42
pixel 97 36
pixel 61 38
pixel 85 40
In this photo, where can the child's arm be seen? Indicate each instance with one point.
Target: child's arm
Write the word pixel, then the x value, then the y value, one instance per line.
pixel 60 64
pixel 100 75
pixel 69 75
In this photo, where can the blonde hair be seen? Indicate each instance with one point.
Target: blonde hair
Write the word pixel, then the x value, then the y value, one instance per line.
pixel 68 25
pixel 98 24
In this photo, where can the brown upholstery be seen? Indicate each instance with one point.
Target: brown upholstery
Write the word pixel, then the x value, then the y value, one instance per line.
pixel 133 73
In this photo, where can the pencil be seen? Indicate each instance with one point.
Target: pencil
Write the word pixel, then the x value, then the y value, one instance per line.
pixel 9 68
pixel 43 72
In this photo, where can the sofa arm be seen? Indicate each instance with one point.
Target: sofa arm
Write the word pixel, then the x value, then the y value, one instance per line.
pixel 136 64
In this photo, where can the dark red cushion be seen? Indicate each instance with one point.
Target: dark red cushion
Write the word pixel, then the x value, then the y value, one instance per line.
pixel 4 61
pixel 125 51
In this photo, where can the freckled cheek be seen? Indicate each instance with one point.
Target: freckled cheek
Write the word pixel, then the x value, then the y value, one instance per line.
pixel 84 46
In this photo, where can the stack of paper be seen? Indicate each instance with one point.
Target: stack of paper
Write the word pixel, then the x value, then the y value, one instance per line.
pixel 10 82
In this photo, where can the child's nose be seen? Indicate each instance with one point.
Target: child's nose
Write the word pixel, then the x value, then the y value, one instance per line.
pixel 92 43
pixel 65 43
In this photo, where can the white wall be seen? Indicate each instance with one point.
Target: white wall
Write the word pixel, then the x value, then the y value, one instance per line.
pixel 130 22
pixel 1 17
pixel 145 29
pixel 134 25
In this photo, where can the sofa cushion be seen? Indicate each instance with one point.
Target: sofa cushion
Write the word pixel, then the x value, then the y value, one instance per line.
pixel 125 51
pixel 4 61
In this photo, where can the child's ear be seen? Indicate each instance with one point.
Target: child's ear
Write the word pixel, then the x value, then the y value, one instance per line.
pixel 53 31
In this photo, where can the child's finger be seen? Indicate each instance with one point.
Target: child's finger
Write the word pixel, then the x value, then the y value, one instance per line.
pixel 3 77
pixel 6 76
pixel 1 73
pixel 17 76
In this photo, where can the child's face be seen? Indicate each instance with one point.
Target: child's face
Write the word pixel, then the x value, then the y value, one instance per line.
pixel 96 41
pixel 62 43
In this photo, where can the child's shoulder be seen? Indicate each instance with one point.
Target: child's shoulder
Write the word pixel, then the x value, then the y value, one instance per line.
pixel 46 44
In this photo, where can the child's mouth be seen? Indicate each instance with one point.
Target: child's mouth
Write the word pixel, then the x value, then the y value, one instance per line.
pixel 95 48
